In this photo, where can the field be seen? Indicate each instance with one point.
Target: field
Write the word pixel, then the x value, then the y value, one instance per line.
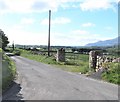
pixel 73 63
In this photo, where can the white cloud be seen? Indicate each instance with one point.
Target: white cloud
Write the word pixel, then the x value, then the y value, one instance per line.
pixel 96 5
pixel 20 36
pixel 109 28
pixel 59 20
pixel 88 24
pixel 27 21
pixel 17 5
pixel 84 35
pixel 74 38
pixel 80 32
pixel 28 6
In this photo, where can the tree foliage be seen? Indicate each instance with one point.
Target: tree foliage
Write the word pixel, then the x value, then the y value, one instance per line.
pixel 3 40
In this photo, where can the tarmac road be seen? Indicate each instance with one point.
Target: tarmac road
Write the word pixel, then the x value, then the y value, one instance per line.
pixel 37 81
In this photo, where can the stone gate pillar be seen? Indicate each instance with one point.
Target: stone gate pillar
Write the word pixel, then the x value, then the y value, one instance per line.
pixel 92 60
pixel 60 55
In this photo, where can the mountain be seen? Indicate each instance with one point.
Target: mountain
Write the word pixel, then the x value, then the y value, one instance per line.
pixel 109 42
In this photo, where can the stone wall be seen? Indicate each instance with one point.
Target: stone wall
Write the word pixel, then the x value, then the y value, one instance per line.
pixel 60 55
pixel 97 60
pixel 101 60
pixel 92 59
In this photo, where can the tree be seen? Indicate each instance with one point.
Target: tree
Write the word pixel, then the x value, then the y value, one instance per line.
pixel 3 40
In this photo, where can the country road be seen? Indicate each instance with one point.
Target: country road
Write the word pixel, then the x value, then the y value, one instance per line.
pixel 37 81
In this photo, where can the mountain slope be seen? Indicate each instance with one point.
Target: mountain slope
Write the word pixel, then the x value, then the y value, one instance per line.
pixel 110 42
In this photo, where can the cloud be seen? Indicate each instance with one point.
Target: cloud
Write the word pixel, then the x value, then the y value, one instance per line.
pixel 79 33
pixel 74 38
pixel 17 6
pixel 88 24
pixel 90 5
pixel 18 34
pixel 109 28
pixel 59 20
pixel 29 6
pixel 84 34
pixel 27 21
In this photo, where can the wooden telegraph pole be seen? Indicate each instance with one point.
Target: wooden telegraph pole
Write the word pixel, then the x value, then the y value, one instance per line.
pixel 13 46
pixel 49 33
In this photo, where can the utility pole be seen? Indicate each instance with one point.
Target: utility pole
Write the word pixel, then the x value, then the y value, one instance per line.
pixel 13 46
pixel 49 33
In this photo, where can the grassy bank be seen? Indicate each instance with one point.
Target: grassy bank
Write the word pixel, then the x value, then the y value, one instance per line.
pixel 113 73
pixel 8 71
pixel 74 62
pixel 0 71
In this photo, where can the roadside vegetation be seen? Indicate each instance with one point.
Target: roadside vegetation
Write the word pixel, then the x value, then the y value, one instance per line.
pixel 7 68
pixel 0 71
pixel 113 73
pixel 74 62
pixel 8 72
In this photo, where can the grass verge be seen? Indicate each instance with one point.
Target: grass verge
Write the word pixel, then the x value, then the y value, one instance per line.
pixel 113 74
pixel 8 72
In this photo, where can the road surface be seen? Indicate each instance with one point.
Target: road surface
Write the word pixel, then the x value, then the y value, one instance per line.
pixel 37 81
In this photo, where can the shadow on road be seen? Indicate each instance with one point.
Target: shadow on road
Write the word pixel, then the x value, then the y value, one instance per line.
pixel 13 93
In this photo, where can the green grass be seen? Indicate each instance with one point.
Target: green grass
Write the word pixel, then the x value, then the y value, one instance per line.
pixel 113 73
pixel 8 72
pixel 39 58
pixel 72 68
pixel 0 71
pixel 74 62
pixel 0 50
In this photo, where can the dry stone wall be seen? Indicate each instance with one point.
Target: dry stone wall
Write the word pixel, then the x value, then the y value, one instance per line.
pixel 92 59
pixel 97 60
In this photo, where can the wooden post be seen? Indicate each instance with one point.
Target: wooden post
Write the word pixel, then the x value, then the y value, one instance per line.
pixel 49 33
pixel 13 46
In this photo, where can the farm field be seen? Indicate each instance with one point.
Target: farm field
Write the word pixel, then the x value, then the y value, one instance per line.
pixel 73 63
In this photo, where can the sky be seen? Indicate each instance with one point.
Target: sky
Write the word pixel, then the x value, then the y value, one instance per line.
pixel 73 22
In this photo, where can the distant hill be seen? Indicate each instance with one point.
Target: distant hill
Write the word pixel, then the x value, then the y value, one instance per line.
pixel 109 42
